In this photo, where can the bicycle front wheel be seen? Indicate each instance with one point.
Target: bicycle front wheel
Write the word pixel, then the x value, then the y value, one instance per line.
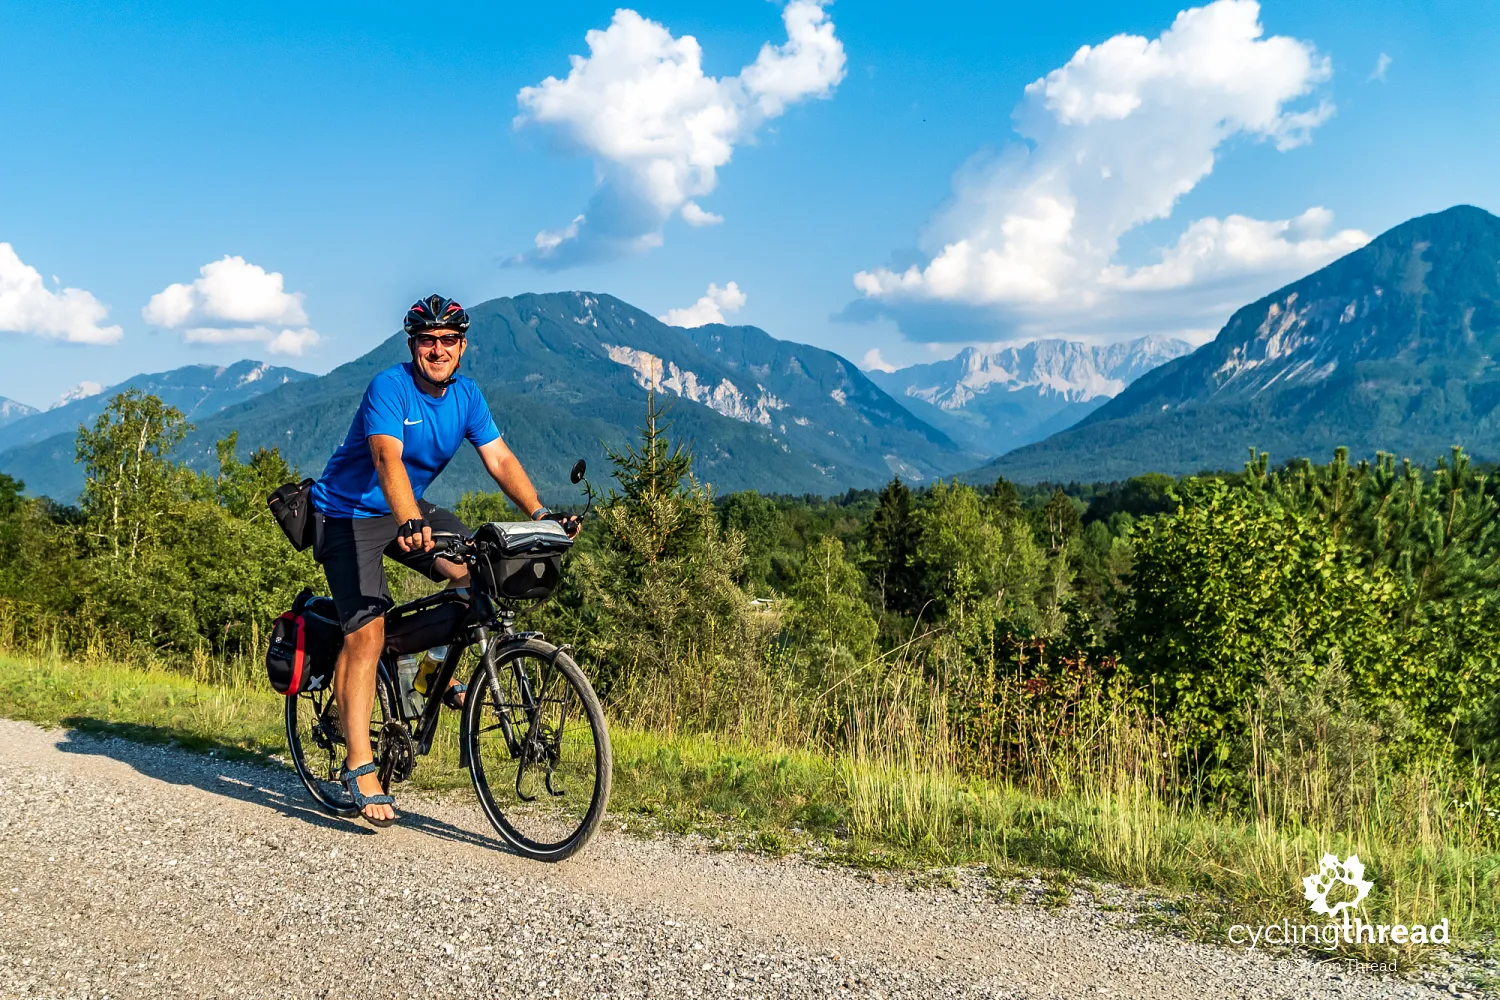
pixel 538 750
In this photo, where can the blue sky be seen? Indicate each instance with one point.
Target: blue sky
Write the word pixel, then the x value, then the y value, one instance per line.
pixel 368 153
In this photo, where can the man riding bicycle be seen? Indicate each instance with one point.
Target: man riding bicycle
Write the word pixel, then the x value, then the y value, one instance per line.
pixel 410 424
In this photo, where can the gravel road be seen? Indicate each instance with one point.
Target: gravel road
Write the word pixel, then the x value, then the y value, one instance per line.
pixel 141 871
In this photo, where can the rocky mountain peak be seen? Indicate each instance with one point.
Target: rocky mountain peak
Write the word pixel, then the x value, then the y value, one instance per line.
pixel 999 398
pixel 1392 347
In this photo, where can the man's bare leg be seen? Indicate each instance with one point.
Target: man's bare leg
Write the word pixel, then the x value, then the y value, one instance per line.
pixel 354 690
pixel 457 574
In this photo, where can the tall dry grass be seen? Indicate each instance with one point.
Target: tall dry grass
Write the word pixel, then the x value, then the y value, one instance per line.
pixel 1072 773
pixel 1076 772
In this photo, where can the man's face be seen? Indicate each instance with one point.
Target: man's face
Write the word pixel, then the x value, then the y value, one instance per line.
pixel 437 359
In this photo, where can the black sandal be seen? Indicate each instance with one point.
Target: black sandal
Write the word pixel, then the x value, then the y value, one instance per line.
pixel 450 696
pixel 351 782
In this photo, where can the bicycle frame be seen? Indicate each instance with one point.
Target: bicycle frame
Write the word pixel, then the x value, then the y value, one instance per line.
pixel 424 725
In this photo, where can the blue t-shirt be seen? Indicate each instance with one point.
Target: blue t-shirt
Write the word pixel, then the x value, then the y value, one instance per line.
pixel 430 429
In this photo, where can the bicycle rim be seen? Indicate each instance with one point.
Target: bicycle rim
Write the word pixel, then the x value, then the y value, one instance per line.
pixel 540 762
pixel 317 746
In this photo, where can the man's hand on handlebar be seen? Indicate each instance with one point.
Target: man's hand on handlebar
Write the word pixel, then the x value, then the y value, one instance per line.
pixel 414 536
pixel 571 523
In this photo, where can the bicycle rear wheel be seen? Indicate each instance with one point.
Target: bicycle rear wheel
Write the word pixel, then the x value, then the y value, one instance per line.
pixel 316 742
pixel 538 750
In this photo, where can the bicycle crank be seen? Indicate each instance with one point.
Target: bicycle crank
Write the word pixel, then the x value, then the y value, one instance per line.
pixel 396 753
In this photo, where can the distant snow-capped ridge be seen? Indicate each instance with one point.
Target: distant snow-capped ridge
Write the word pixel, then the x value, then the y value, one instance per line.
pixel 255 374
pixel 11 409
pixel 83 390
pixel 1071 370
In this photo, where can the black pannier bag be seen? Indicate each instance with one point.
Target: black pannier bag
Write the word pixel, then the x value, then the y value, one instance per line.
pixel 522 559
pixel 305 645
pixel 432 621
pixel 291 506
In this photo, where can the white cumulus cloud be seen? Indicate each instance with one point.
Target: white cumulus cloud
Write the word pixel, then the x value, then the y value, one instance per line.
pixel 708 309
pixel 1382 66
pixel 875 362
pixel 659 128
pixel 293 342
pixel 27 305
pixel 231 290
pixel 695 216
pixel 1237 245
pixel 233 301
pixel 1114 138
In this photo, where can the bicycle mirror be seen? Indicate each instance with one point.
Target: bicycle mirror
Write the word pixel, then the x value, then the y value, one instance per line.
pixel 579 468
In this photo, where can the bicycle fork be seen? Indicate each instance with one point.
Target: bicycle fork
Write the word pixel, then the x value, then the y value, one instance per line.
pixel 489 652
pixel 530 750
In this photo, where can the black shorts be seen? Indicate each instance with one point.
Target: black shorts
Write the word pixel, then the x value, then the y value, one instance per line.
pixel 350 549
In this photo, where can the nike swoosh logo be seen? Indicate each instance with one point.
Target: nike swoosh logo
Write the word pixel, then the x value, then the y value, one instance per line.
pixel 410 422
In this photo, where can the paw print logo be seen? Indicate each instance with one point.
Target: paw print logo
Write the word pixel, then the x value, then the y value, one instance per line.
pixel 1331 871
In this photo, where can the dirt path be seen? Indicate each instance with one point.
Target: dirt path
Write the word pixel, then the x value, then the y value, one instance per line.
pixel 138 871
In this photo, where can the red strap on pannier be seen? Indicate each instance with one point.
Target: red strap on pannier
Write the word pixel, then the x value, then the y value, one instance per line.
pixel 299 661
pixel 304 647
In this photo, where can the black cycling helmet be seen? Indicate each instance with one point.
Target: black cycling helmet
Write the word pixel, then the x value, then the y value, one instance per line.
pixel 435 313
pixel 427 315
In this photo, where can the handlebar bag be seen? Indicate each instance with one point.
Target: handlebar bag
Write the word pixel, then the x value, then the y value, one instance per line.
pixel 291 506
pixel 305 645
pixel 522 560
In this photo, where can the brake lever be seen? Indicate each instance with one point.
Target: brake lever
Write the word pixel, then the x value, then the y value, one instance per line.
pixel 450 545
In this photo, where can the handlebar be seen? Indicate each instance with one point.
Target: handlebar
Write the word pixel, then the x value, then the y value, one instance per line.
pixel 452 545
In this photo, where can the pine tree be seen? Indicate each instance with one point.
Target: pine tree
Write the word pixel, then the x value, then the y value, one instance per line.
pixel 830 610
pixel 655 599
pixel 891 540
pixel 1060 521
pixel 649 507
pixel 1004 499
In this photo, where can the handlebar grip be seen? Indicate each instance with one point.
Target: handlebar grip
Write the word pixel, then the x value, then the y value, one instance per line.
pixel 449 543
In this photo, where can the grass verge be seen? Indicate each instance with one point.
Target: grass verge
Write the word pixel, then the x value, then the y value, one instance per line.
pixel 1211 870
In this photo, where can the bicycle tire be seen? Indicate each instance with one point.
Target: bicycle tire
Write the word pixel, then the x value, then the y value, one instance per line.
pixel 502 778
pixel 319 768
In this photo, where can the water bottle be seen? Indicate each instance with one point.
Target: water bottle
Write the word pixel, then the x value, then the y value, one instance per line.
pixel 432 660
pixel 407 665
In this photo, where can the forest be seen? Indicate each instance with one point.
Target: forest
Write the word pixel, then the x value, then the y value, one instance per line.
pixel 1368 582
pixel 1303 647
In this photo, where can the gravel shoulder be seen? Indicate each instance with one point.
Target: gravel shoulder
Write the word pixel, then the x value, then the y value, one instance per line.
pixel 141 871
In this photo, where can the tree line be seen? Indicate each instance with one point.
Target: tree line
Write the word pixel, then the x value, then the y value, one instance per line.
pixel 1368 587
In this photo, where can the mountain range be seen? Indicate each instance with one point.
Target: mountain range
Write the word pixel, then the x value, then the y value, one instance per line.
pixel 998 400
pixel 566 376
pixel 38 446
pixel 1390 348
pixel 11 411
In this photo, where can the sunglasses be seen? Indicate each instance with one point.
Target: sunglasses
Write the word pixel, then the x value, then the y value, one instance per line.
pixel 426 340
